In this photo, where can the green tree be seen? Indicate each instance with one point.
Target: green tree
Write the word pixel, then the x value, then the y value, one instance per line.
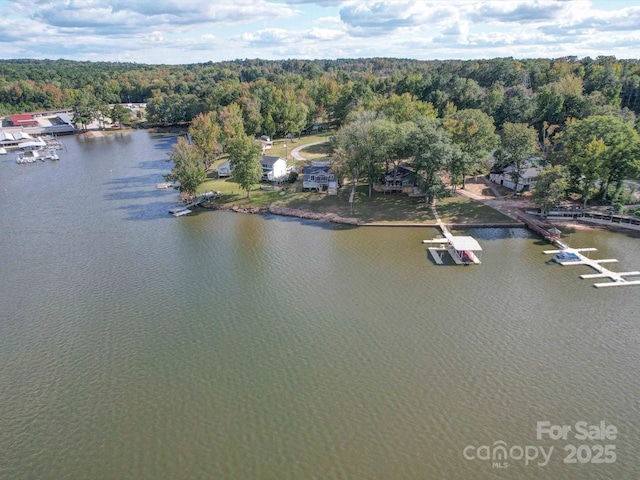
pixel 83 108
pixel 603 149
pixel 589 161
pixel 550 187
pixel 119 114
pixel 519 142
pixel 187 167
pixel 403 108
pixel 474 132
pixel 433 151
pixel 205 135
pixel 362 144
pixel 230 118
pixel 244 159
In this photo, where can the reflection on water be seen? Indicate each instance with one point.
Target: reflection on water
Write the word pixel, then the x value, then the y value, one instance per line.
pixel 138 345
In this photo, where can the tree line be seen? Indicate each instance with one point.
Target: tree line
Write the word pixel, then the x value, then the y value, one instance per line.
pixel 576 115
pixel 275 96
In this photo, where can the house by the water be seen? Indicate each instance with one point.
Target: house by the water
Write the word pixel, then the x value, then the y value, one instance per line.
pixel 398 179
pixel 274 169
pixel 505 178
pixel 320 177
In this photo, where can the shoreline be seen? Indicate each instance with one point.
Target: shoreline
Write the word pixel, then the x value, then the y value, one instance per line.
pixel 337 219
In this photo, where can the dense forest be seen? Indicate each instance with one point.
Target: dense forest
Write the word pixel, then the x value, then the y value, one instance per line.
pixel 509 90
pixel 579 115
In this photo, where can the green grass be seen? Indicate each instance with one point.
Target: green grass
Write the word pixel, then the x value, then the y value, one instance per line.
pixel 379 208
pixel 312 153
pixel 460 210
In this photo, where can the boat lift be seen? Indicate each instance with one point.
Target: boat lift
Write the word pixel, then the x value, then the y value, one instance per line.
pixel 573 256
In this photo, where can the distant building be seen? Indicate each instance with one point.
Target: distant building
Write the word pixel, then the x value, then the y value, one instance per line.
pixel 23 120
pixel 13 139
pixel 224 170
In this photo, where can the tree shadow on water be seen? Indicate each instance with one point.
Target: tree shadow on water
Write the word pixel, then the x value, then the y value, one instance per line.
pixel 148 211
pixel 149 181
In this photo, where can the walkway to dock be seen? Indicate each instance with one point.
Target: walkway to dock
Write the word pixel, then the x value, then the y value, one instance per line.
pixel 617 278
pixel 185 209
pixel 463 250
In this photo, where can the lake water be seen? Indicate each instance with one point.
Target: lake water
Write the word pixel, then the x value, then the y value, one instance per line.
pixel 231 346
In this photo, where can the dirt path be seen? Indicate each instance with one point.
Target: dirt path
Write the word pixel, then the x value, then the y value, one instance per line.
pixel 481 190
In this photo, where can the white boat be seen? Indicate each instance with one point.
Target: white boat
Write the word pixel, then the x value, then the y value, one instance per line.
pixel 3 151
pixel 30 156
pixel 52 155
pixel 164 185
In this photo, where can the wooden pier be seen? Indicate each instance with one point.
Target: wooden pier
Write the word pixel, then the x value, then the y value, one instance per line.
pixel 539 227
pixel 617 279
pixel 464 250
pixel 186 209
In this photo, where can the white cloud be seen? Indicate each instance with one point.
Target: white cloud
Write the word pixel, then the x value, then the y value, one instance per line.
pixel 185 31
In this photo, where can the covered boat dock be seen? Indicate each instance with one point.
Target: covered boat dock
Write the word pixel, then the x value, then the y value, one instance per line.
pixel 464 250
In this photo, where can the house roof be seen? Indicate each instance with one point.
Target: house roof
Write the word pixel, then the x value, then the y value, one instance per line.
pixel 530 172
pixel 66 118
pixel 400 172
pixel 23 119
pixel 14 136
pixel 268 160
pixel 315 169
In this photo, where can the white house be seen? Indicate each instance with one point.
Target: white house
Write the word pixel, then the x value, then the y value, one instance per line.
pixel 274 169
pixel 526 181
pixel 224 170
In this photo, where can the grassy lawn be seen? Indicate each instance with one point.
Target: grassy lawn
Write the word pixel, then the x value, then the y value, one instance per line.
pixel 316 152
pixel 461 210
pixel 379 208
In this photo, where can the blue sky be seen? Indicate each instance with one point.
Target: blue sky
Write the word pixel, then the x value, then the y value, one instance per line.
pixel 191 31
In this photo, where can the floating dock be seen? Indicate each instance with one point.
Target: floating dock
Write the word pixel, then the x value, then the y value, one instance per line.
pixel 574 256
pixel 464 250
pixel 185 209
pixel 178 212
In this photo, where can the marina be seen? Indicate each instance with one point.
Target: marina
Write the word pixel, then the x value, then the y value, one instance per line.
pixel 573 256
pixel 31 156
